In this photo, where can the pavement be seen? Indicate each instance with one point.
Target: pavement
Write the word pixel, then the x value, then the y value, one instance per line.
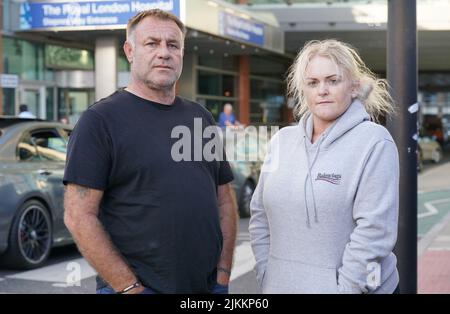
pixel 434 230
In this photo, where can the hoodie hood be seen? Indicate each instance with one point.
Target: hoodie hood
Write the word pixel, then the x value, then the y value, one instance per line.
pixel 353 116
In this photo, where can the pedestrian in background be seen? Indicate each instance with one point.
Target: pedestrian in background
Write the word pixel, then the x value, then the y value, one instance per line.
pixel 227 118
pixel 147 223
pixel 324 218
pixel 25 113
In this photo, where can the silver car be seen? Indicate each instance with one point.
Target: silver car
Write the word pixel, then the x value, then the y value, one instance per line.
pixel 32 159
pixel 245 155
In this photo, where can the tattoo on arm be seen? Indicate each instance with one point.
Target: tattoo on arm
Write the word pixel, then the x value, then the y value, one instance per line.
pixel 82 191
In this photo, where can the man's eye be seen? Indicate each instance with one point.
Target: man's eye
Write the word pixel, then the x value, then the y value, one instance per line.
pixel 151 44
pixel 174 46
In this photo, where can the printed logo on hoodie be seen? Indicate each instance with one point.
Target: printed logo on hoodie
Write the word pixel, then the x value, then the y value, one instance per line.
pixel 330 178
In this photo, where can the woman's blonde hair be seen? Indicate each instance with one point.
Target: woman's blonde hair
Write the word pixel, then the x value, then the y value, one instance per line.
pixel 372 91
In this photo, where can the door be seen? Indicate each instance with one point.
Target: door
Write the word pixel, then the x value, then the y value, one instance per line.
pixel 43 152
pixel 73 102
pixel 34 98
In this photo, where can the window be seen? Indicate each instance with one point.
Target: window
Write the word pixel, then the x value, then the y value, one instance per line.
pixel 217 84
pixel 66 133
pixel 215 62
pixel 8 101
pixel 26 151
pixel 58 57
pixel 23 58
pixel 266 100
pixel 49 145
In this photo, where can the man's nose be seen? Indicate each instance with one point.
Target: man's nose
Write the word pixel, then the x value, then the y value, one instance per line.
pixel 163 51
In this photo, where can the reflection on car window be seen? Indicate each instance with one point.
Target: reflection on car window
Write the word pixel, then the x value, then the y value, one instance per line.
pixel 50 145
pixel 26 151
pixel 66 133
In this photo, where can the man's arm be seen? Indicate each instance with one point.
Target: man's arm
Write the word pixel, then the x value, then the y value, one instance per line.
pixel 228 225
pixel 81 218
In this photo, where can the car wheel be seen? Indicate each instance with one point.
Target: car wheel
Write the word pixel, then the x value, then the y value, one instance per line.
pixel 30 239
pixel 436 156
pixel 245 198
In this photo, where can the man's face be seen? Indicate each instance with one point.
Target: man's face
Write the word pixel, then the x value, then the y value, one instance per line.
pixel 228 110
pixel 157 54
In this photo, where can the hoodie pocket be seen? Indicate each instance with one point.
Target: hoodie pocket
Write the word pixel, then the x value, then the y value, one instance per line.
pixel 289 276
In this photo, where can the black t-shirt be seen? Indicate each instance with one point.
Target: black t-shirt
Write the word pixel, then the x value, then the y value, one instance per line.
pixel 162 215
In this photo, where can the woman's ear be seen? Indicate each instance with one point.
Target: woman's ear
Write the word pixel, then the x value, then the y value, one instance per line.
pixel 355 89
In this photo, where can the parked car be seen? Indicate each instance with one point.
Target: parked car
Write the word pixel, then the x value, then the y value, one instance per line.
pixel 32 158
pixel 246 157
pixel 430 149
pixel 437 128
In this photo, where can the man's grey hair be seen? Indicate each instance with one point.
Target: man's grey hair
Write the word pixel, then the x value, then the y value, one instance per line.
pixel 156 13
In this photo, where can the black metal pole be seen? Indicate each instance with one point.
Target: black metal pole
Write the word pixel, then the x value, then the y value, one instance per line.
pixel 402 76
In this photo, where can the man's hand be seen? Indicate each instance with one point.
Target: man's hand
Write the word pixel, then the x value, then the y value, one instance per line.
pixel 228 225
pixel 223 278
pixel 81 218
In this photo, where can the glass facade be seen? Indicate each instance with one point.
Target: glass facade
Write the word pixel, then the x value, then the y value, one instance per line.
pixel 122 64
pixel 50 103
pixel 8 101
pixel 58 57
pixel 256 2
pixel 434 94
pixel 217 83
pixel 266 90
pixel 228 64
pixel 72 103
pixel 36 64
pixel 266 100
pixel 24 58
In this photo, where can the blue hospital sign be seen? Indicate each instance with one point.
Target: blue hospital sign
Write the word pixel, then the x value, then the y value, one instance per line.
pixel 241 29
pixel 90 14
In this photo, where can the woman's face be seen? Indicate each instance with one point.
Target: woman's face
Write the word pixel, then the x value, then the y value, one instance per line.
pixel 327 91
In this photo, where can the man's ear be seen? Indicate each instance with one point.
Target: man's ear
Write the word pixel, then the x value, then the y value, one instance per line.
pixel 129 52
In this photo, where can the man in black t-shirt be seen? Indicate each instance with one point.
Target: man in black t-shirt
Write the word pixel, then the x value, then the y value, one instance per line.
pixel 145 219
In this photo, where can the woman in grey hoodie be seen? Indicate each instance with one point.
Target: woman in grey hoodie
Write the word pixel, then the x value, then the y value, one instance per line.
pixel 325 211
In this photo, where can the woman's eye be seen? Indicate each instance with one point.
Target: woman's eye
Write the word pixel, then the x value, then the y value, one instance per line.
pixel 334 81
pixel 312 84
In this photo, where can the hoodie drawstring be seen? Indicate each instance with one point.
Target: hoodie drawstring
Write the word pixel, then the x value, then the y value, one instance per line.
pixel 310 165
pixel 353 116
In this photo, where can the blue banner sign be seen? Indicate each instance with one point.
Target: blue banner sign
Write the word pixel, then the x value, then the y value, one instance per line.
pixel 241 29
pixel 87 14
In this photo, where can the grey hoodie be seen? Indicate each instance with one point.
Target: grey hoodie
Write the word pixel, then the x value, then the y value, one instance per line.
pixel 324 215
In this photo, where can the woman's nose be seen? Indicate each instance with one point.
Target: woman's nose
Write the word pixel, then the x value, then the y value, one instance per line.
pixel 323 88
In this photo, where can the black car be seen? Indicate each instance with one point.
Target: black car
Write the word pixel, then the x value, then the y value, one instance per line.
pixel 32 159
